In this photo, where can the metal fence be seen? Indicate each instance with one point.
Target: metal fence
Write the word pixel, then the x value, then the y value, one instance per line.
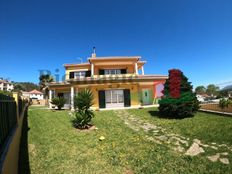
pixel 215 107
pixel 8 118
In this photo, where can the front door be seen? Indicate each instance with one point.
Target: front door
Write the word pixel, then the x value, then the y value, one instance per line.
pixel 146 96
pixel 114 98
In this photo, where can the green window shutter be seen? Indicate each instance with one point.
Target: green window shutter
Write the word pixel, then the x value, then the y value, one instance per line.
pixel 101 72
pixel 102 97
pixel 123 71
pixel 88 74
pixel 127 98
pixel 71 75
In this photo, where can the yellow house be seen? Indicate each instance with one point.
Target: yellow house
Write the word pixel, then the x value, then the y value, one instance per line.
pixel 114 82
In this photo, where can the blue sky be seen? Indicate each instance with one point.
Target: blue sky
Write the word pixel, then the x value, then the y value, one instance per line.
pixel 192 35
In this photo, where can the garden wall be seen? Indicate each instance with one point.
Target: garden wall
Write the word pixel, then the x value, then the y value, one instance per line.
pixel 215 107
pixel 11 142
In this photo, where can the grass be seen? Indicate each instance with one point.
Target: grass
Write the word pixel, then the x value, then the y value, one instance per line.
pixel 54 146
pixel 204 126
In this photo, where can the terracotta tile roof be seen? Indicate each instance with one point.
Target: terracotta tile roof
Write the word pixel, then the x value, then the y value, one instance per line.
pixel 35 92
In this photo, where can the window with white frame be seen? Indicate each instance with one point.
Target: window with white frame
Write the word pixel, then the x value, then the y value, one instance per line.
pixel 79 74
pixel 112 71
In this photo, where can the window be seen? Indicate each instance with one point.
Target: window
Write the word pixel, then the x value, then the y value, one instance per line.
pixel 79 74
pixel 112 71
pixel 114 96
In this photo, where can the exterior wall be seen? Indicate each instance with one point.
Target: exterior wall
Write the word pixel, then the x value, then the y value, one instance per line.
pixel 10 87
pixel 133 91
pixel 37 96
pixel 130 68
pixel 71 69
pixel 1 86
pixel 38 102
pixel 6 86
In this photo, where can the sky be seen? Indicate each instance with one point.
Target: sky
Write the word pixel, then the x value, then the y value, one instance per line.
pixel 194 36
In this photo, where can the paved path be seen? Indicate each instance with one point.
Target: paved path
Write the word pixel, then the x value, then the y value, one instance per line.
pixel 178 143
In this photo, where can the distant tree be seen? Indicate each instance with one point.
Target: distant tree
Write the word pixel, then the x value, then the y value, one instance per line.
pixel 18 87
pixel 25 86
pixel 43 80
pixel 212 90
pixel 200 90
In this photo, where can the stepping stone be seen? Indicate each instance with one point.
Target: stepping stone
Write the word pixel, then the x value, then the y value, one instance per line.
pixel 214 147
pixel 224 160
pixel 224 153
pixel 194 150
pixel 197 141
pixel 155 131
pixel 162 138
pixel 214 158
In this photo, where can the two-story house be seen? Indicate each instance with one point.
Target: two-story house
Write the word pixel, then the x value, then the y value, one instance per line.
pixel 6 85
pixel 114 82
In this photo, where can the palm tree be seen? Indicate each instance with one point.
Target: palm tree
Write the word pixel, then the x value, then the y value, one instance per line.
pixel 44 79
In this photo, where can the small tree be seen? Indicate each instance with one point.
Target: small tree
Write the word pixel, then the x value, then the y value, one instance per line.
pixel 212 90
pixel 43 80
pixel 59 102
pixel 200 90
pixel 178 101
pixel 82 102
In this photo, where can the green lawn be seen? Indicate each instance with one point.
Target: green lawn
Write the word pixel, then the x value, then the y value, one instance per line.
pixel 54 146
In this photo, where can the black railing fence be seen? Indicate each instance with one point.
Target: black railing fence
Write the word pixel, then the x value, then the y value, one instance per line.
pixel 8 118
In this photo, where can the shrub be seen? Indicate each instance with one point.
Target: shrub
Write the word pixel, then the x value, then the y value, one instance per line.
pixel 59 102
pixel 82 102
pixel 224 103
pixel 178 101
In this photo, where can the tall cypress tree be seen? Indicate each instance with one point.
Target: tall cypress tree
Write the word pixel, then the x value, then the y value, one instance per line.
pixel 178 101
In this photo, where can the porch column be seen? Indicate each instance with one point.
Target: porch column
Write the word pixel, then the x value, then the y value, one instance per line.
pixel 142 70
pixel 136 68
pixel 72 98
pixel 92 69
pixel 50 99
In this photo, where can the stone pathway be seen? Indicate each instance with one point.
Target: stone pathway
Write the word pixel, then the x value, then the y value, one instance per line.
pixel 178 143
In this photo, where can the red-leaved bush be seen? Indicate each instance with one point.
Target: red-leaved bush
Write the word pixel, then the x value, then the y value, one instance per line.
pixel 174 83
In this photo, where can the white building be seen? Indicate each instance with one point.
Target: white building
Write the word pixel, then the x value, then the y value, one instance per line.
pixel 6 86
pixel 34 94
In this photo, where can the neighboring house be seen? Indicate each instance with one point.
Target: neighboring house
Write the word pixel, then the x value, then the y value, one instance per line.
pixel 25 94
pixel 34 94
pixel 202 97
pixel 114 82
pixel 6 85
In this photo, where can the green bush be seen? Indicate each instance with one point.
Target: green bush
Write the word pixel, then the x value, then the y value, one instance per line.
pixel 82 103
pixel 59 102
pixel 8 93
pixel 224 103
pixel 184 102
